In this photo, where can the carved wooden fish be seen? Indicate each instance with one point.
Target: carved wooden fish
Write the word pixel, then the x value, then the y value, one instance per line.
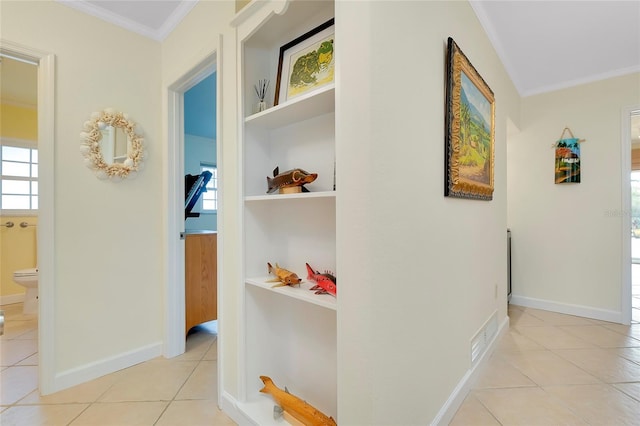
pixel 297 408
pixel 289 179
pixel 284 276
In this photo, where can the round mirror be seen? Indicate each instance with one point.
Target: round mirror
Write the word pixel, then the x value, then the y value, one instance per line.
pixel 112 145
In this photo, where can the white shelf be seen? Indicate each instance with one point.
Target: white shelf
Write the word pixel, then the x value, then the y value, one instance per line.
pixel 299 109
pixel 261 411
pixel 291 228
pixel 301 293
pixel 301 195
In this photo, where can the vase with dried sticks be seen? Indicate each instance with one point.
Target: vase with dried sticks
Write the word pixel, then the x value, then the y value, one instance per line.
pixel 261 91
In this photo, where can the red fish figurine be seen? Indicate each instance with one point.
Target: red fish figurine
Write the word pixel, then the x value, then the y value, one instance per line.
pixel 325 283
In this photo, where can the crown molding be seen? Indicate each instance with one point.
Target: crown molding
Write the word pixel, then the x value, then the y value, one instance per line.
pixel 178 15
pixel 580 81
pixel 156 34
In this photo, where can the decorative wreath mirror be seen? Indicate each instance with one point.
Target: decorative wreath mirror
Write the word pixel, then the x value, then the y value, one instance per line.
pixel 112 145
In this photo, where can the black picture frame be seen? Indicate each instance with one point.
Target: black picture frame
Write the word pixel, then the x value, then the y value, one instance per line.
pixel 309 39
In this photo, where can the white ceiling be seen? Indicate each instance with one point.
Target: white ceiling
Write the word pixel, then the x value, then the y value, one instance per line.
pixel 151 18
pixel 544 45
pixel 549 45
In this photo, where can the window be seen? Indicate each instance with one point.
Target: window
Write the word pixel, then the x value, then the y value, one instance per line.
pixel 18 178
pixel 210 196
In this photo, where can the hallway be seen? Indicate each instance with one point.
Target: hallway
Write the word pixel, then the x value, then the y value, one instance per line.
pixel 552 369
pixel 547 369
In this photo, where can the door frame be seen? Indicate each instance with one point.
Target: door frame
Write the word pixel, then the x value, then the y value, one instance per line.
pixel 625 289
pixel 45 234
pixel 174 335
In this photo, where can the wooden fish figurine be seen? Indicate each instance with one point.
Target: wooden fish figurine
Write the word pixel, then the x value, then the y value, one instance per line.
pixel 289 181
pixel 297 408
pixel 325 283
pixel 284 276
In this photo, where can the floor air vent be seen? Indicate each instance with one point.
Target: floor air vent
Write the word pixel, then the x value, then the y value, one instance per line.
pixel 483 337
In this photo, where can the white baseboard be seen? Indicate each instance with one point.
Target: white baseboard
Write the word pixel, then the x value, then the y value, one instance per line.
pixel 93 370
pixel 10 299
pixel 230 405
pixel 449 409
pixel 566 308
pixel 230 408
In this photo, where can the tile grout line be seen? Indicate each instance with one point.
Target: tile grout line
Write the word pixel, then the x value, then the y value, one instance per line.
pixel 183 384
pixel 552 351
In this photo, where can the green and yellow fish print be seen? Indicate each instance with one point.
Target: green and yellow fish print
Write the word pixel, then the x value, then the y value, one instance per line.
pixel 311 67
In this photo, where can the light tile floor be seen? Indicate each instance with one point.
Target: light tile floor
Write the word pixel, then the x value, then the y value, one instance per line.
pixel 181 391
pixel 548 369
pixel 554 369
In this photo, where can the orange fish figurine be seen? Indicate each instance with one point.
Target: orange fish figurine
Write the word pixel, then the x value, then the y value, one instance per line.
pixel 297 408
pixel 283 276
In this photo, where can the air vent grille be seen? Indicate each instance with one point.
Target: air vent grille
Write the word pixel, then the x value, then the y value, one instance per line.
pixel 483 337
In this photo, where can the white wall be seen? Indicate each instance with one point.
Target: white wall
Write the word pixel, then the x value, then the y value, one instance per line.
pixel 108 259
pixel 418 270
pixel 567 242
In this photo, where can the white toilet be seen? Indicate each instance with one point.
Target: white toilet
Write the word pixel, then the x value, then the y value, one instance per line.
pixel 28 278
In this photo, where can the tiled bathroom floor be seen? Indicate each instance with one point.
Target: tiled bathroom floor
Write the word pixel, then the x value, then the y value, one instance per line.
pixel 548 369
pixel 178 391
pixel 552 369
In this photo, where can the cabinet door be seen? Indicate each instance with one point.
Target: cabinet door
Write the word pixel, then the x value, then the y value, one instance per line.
pixel 200 279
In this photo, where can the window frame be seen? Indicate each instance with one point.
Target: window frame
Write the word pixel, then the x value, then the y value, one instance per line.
pixel 205 166
pixel 27 144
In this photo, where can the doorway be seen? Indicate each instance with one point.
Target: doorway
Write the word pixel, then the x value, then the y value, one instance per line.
pixel 45 229
pixel 634 133
pixel 175 314
pixel 19 176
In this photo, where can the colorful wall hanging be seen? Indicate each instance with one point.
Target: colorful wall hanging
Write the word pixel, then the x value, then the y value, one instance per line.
pixel 567 161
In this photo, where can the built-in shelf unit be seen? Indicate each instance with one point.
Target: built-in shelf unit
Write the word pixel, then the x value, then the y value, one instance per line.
pixel 288 333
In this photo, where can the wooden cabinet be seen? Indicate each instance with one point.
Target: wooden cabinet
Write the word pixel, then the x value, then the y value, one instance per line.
pixel 200 278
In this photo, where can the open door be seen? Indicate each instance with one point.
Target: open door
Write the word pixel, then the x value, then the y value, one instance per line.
pixel 175 314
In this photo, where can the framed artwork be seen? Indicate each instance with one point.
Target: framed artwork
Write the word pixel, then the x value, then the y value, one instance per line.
pixel 469 130
pixel 306 63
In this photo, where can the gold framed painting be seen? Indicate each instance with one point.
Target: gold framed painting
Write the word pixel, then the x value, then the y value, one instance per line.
pixel 469 130
pixel 306 63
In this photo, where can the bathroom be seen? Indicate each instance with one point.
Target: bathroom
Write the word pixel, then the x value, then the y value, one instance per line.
pixel 19 196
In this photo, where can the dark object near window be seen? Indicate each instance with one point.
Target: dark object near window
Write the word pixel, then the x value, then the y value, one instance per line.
pixel 194 186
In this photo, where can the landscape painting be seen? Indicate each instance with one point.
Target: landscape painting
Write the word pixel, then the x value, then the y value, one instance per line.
pixel 470 129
